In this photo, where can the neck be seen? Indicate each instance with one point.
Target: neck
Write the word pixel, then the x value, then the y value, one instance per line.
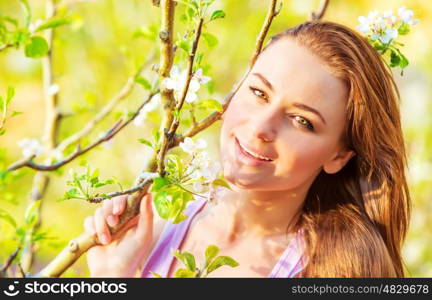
pixel 263 213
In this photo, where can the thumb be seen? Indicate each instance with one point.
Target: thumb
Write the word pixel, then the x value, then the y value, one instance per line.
pixel 144 229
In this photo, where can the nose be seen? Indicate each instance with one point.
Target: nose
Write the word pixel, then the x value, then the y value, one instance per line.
pixel 264 124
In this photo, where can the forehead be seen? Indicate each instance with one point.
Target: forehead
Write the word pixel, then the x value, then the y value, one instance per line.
pixel 299 75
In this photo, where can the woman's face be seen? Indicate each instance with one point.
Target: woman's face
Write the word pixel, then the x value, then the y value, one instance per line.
pixel 291 110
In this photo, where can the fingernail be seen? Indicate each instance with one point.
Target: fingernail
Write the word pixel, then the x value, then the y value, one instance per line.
pixel 104 239
pixel 116 209
pixel 111 221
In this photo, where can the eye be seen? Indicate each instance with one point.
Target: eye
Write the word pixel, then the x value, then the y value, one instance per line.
pixel 304 122
pixel 258 93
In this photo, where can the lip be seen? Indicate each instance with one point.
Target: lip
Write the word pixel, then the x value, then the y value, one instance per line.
pixel 246 158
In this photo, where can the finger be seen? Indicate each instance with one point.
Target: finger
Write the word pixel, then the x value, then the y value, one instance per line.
pixel 145 222
pixel 119 204
pixel 108 212
pixel 102 231
pixel 89 225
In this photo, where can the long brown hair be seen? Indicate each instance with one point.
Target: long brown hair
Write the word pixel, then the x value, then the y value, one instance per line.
pixel 355 221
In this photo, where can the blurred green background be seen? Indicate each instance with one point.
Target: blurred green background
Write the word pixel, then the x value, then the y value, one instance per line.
pixel 95 54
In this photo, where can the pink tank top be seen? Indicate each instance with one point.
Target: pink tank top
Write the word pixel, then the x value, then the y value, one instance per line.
pixel 160 259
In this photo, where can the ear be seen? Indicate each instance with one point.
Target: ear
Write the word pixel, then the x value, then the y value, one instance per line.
pixel 336 163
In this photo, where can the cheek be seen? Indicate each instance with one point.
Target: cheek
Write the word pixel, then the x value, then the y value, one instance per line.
pixel 302 156
pixel 234 116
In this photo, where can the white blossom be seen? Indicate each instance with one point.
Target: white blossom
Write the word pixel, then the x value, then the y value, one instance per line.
pixel 177 81
pixel 191 147
pixel 150 106
pixel 53 89
pixel 200 77
pixel 407 15
pixel 389 33
pixel 31 147
pixel 384 27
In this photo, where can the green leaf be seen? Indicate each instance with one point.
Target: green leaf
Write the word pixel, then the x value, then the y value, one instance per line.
pixel 37 47
pixel 143 82
pixel 198 60
pixel 394 59
pixel 71 194
pixel 10 94
pixel 210 39
pixel 158 183
pixel 7 217
pixel 95 174
pixel 184 45
pixel 156 135
pixel 162 204
pixel 221 182
pixel 190 4
pixel 176 165
pixel 31 213
pixel 155 274
pixel 186 258
pixel 211 104
pixel 16 113
pixel 145 142
pixel 53 23
pixel 21 36
pixel 184 273
pixel 210 254
pixel 217 14
pixel 222 261
pixel 404 29
pixel 404 61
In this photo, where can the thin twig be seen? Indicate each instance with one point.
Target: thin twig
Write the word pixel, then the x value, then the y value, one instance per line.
pixel 176 121
pixel 5 46
pixel 321 11
pixel 9 261
pixel 115 194
pixel 116 128
pixel 122 94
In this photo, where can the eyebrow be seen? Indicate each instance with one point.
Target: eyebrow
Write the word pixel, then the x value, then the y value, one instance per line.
pixel 296 104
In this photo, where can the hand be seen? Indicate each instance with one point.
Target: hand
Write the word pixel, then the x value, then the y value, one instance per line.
pixel 122 254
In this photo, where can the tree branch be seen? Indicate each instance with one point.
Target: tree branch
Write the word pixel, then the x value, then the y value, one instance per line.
pixel 191 58
pixel 166 60
pixel 5 46
pixel 49 138
pixel 321 11
pixel 9 261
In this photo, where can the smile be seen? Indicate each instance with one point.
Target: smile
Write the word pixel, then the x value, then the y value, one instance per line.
pixel 249 157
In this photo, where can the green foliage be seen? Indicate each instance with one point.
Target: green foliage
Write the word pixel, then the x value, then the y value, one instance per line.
pixel 212 263
pixel 37 47
pixel 53 23
pixel 4 104
pixel 143 82
pixel 84 186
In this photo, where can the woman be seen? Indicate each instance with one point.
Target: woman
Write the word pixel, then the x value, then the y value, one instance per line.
pixel 312 147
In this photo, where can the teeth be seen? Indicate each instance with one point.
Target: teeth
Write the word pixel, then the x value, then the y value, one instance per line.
pixel 254 154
